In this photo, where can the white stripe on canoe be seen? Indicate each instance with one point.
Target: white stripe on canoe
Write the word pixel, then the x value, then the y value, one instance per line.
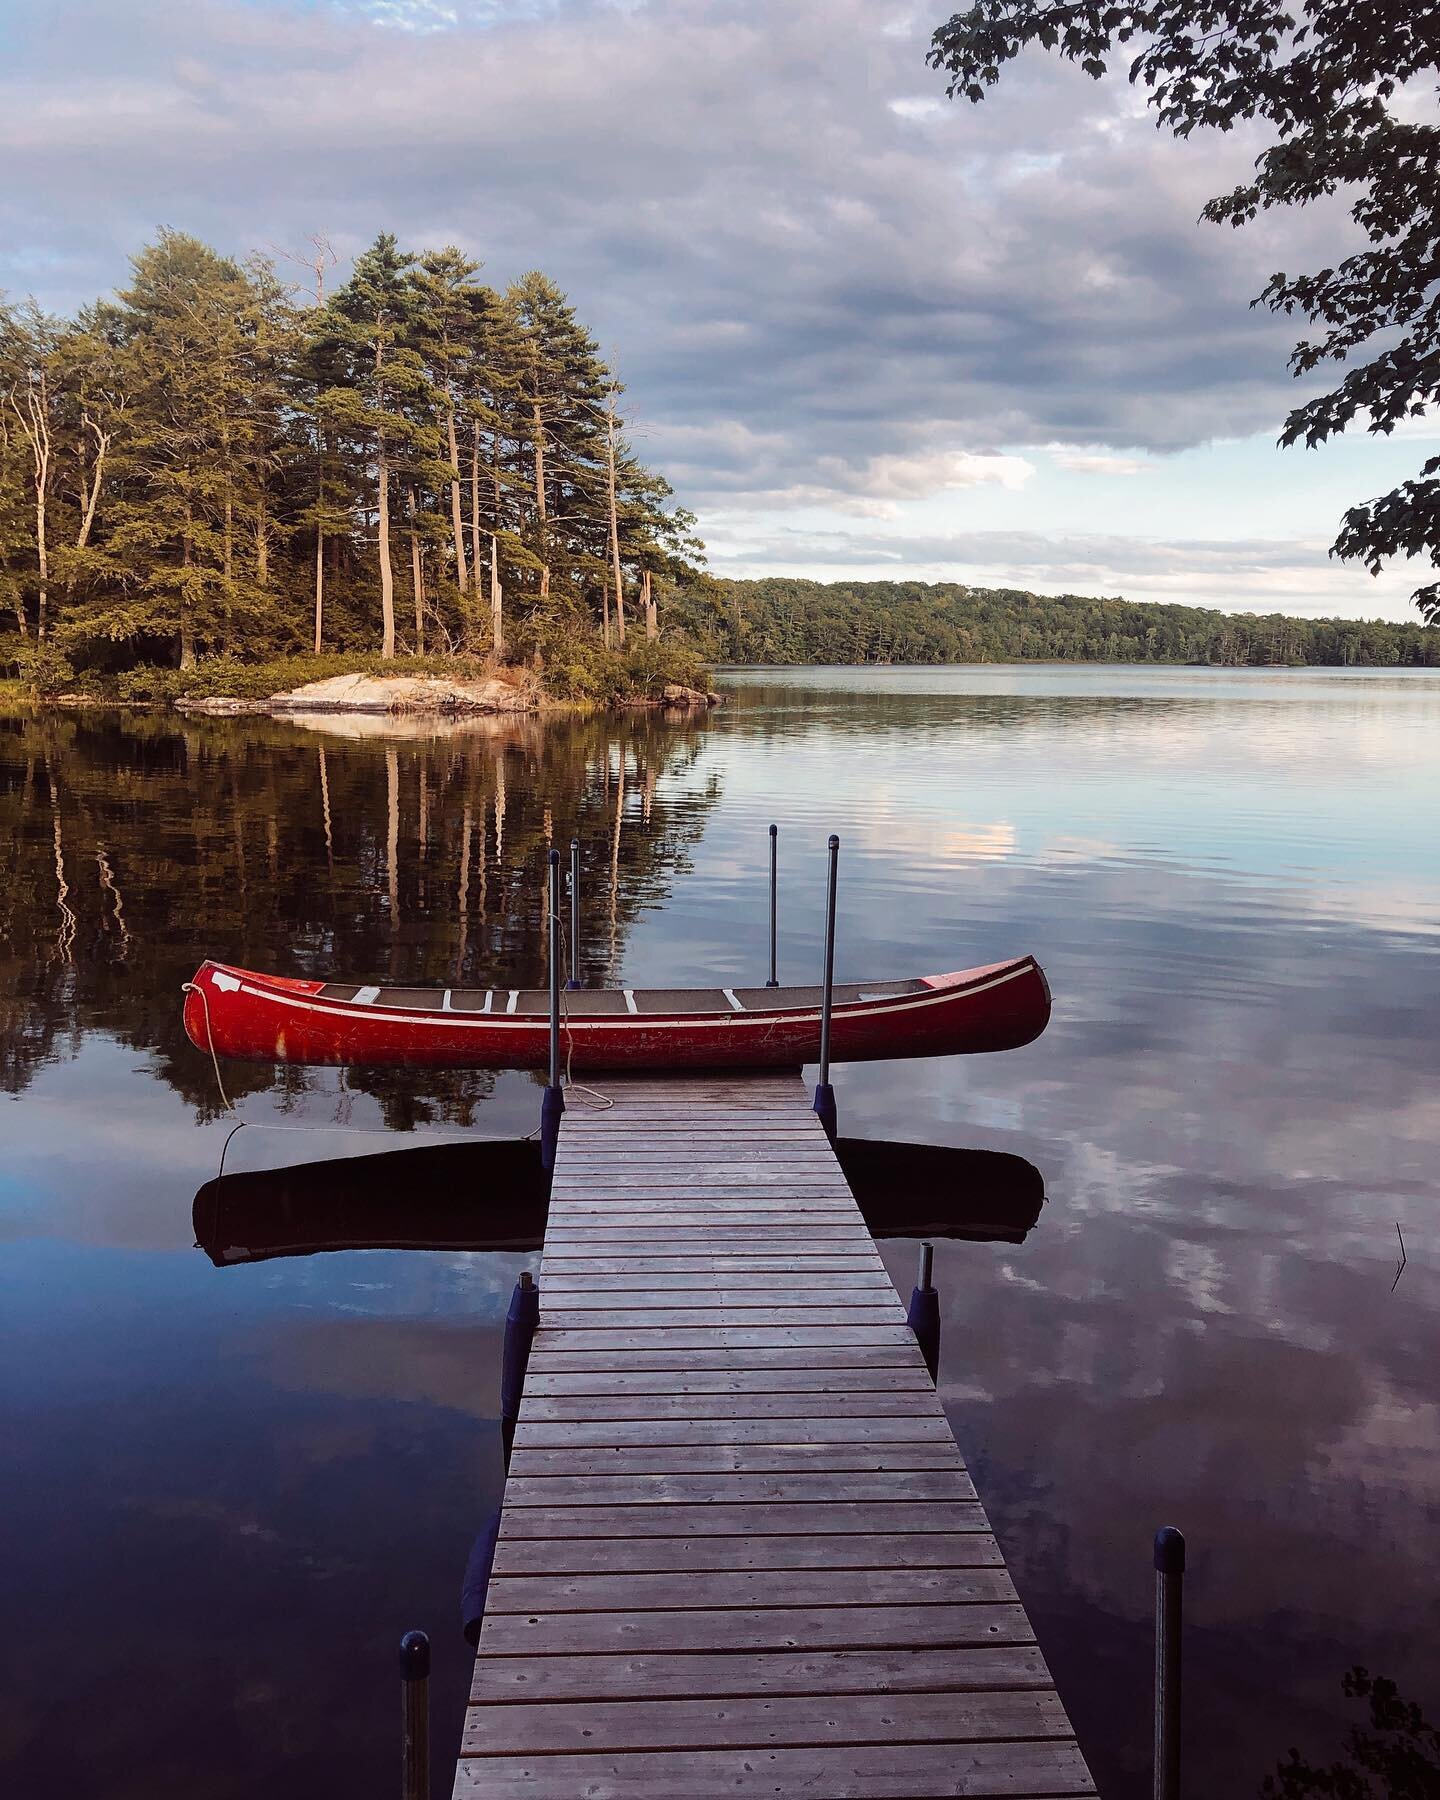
pixel 630 1005
pixel 510 1003
pixel 489 996
pixel 618 1022
pixel 445 1001
pixel 729 994
pixel 364 996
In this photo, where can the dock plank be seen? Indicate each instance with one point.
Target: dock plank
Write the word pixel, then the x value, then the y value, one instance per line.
pixel 739 1553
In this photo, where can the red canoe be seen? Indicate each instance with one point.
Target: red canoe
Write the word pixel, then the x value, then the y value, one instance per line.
pixel 267 1018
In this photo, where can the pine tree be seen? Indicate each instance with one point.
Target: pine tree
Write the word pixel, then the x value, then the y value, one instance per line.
pixel 388 402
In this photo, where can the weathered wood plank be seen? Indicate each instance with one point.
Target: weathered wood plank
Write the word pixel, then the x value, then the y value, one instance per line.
pixel 778 1373
pixel 903 1406
pixel 596 1464
pixel 1012 1712
pixel 726 1518
pixel 682 1356
pixel 535 1433
pixel 582 1273
pixel 758 1312
pixel 664 1490
pixel 985 1618
pixel 844 1772
pixel 749 1590
pixel 558 1679
pixel 842 1335
pixel 725 1287
pixel 950 1549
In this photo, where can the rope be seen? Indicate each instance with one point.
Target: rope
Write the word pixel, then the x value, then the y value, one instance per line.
pixel 598 1101
pixel 191 987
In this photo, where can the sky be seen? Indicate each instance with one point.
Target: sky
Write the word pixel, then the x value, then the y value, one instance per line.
pixel 867 332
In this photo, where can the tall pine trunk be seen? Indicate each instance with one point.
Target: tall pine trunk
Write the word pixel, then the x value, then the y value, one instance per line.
pixel 497 599
pixel 417 575
pixel 457 523
pixel 652 617
pixel 382 521
pixel 187 614
pixel 540 509
pixel 615 533
pixel 382 539
pixel 475 504
pixel 262 543
pixel 319 586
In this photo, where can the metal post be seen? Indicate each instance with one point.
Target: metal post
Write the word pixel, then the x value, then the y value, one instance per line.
pixel 923 1317
pixel 824 1093
pixel 1169 1583
pixel 552 1103
pixel 414 1716
pixel 774 833
pixel 574 980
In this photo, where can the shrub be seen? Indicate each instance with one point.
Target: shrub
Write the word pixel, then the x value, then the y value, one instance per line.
pixel 41 668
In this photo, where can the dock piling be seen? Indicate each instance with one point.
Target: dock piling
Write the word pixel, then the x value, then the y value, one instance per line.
pixel 923 1318
pixel 521 1323
pixel 1169 1584
pixel 574 981
pixel 414 1716
pixel 824 1093
pixel 774 980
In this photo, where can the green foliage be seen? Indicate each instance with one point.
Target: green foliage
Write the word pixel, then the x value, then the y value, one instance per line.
pixel 1397 1758
pixel 204 468
pixel 41 669
pixel 1342 90
pixel 788 621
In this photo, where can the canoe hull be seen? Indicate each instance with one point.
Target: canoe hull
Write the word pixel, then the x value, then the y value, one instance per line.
pixel 265 1018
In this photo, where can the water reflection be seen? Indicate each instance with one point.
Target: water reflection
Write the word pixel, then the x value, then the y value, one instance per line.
pixel 494 1196
pixel 276 1468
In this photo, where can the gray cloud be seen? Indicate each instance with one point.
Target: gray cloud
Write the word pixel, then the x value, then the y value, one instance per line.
pixel 796 249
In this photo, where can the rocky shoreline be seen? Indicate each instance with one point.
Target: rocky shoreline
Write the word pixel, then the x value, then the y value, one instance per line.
pixel 441 696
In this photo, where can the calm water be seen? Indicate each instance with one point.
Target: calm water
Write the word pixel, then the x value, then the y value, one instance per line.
pixel 228 1490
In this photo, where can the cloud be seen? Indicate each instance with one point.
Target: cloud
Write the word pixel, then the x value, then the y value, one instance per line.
pixel 1097 462
pixel 826 286
pixel 1239 574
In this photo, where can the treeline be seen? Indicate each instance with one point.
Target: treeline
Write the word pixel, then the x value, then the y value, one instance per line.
pixel 786 621
pixel 416 461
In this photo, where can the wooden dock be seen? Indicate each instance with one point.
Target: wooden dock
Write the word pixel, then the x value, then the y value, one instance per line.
pixel 739 1553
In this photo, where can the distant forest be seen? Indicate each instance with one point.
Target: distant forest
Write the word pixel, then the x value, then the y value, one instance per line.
pixel 411 460
pixel 785 621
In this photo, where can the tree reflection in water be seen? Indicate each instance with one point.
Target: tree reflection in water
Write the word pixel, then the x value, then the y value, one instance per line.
pixel 138 843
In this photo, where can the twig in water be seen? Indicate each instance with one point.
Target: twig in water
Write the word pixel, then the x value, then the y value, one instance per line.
pixel 1401 1269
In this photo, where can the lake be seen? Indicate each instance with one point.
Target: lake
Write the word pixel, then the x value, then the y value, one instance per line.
pixel 229 1489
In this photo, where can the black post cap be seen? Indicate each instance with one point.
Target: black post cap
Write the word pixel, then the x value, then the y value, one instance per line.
pixel 774 830
pixel 414 1656
pixel 554 858
pixel 1169 1551
pixel 834 841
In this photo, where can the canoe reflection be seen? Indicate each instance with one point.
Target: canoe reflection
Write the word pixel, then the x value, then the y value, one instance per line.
pixel 493 1196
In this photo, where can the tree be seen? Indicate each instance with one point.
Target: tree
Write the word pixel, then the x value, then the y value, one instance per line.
pixel 444 284
pixel 388 401
pixel 1400 1751
pixel 1336 88
pixel 191 461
